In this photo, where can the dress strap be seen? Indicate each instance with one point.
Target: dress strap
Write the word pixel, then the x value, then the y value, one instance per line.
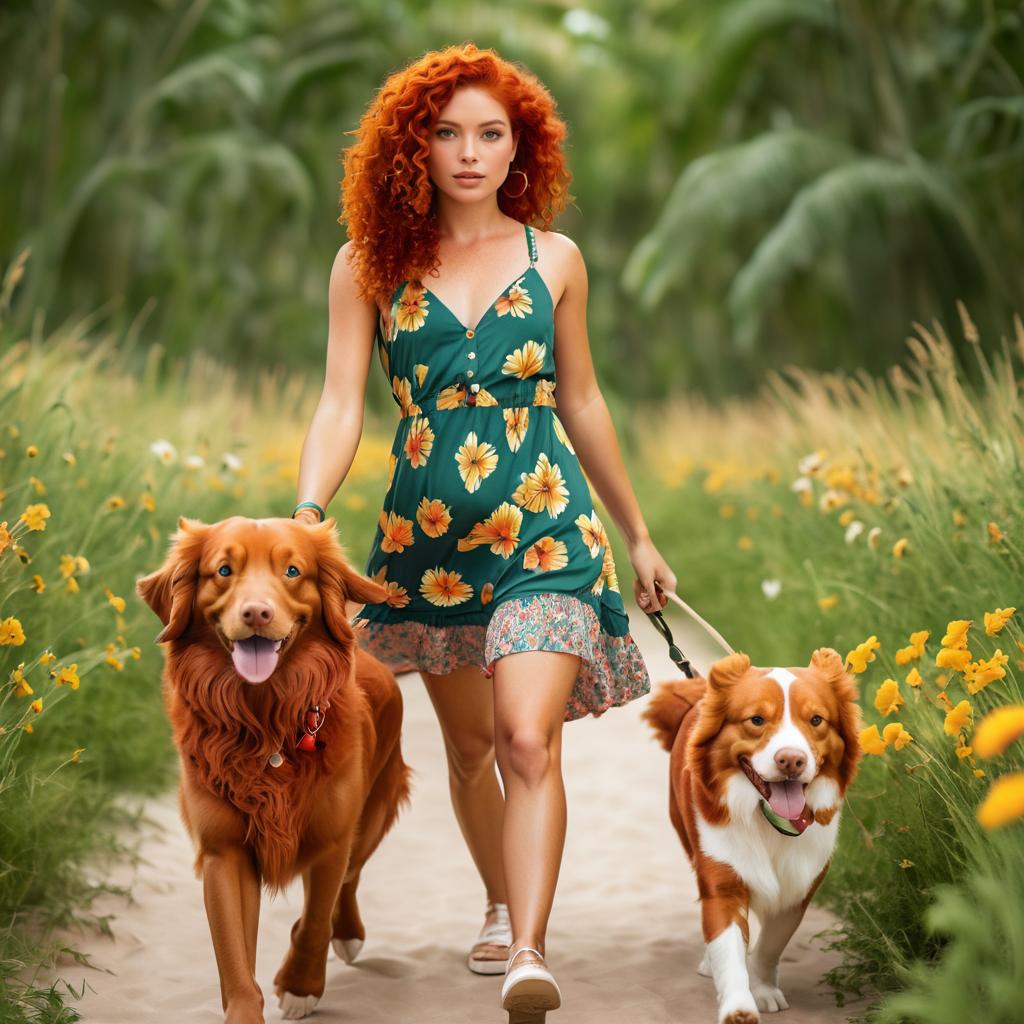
pixel 531 244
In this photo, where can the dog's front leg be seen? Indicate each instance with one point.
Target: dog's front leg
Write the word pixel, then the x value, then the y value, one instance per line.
pixel 301 979
pixel 229 878
pixel 724 902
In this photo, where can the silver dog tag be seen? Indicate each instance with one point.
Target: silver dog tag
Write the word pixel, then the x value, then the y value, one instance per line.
pixel 276 760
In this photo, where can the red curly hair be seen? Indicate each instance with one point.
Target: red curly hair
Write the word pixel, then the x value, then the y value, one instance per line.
pixel 387 196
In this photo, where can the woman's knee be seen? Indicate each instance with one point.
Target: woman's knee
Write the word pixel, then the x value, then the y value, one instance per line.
pixel 528 753
pixel 470 755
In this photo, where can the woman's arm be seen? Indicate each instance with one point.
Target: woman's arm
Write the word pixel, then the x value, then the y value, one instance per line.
pixel 337 423
pixel 584 414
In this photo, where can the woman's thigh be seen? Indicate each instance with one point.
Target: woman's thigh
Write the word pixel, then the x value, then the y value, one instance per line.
pixel 464 704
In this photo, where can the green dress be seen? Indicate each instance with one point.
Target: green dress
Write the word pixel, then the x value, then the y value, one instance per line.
pixel 488 542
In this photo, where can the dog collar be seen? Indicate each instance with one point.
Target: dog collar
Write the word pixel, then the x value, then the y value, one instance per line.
pixel 312 722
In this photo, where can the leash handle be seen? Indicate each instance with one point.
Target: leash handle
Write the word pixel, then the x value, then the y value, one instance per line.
pixel 658 620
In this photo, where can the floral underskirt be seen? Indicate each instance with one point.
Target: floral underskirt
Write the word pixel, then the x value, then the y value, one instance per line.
pixel 612 670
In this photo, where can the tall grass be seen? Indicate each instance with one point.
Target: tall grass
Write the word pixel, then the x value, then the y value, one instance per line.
pixel 833 509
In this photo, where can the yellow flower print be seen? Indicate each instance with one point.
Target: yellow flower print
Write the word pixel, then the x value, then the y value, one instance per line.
pixel 516 301
pixel 476 460
pixel 915 649
pixel 862 654
pixel 397 597
pixel 608 570
pixel 500 530
pixel 434 516
pixel 454 396
pixel 994 621
pixel 544 393
pixel 401 388
pixel 420 370
pixel 419 442
pixel 412 307
pixel 544 488
pixel 559 429
pixel 486 592
pixel 397 532
pixel 444 587
pixel 887 698
pixel 517 420
pixel 392 462
pixel 593 533
pixel 998 729
pixel 958 718
pixel 525 361
pixel 546 555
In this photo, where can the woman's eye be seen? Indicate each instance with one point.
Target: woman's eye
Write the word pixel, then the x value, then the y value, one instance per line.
pixel 757 720
pixel 494 132
pixel 224 570
pixel 816 720
pixel 291 571
pixel 440 130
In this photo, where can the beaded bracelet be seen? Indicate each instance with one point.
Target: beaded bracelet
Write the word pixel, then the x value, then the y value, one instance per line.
pixel 310 504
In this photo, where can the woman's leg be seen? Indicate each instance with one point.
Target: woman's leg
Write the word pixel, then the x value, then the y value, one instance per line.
pixel 464 703
pixel 531 689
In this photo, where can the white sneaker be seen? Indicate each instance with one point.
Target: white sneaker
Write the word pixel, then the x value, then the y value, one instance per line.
pixel 489 954
pixel 530 990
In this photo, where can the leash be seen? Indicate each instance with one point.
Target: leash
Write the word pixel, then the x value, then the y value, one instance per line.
pixel 659 623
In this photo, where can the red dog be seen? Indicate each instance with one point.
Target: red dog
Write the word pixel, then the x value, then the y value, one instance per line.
pixel 761 759
pixel 288 735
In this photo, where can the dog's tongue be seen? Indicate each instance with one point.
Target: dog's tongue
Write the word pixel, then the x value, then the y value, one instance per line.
pixel 787 799
pixel 255 658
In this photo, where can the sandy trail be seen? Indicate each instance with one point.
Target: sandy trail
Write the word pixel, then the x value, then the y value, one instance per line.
pixel 624 939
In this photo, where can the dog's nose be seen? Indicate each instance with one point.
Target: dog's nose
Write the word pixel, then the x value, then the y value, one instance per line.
pixel 257 613
pixel 790 761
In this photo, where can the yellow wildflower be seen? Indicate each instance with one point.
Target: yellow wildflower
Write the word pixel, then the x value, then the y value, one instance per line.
pixel 998 729
pixel 1004 802
pixel 148 503
pixel 11 632
pixel 915 649
pixel 980 673
pixel 957 719
pixel 828 601
pixel 847 517
pixel 862 654
pixel 959 519
pixel 895 734
pixel 900 547
pixel 117 602
pixel 870 740
pixel 726 511
pixel 957 660
pixel 37 705
pixel 69 458
pixel 994 621
pixel 994 533
pixel 744 543
pixel 115 662
pixel 887 698
pixel 38 583
pixel 75 759
pixel 28 727
pixel 21 683
pixel 46 657
pixel 914 677
pixel 37 485
pixel 68 676
pixel 35 516
pixel 115 501
pixel 72 585
pixel 32 451
pixel 962 749
pixel 956 633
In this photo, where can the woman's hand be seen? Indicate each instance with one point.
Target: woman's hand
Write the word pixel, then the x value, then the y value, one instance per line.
pixel 308 515
pixel 653 576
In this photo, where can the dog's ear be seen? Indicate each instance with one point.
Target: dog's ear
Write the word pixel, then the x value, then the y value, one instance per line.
pixel 171 590
pixel 339 583
pixel 829 663
pixel 726 671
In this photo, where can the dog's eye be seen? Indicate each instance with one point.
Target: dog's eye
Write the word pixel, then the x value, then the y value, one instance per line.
pixel 292 571
pixel 816 720
pixel 224 570
pixel 757 720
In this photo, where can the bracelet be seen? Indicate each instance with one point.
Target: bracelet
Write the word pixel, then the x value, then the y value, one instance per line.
pixel 310 504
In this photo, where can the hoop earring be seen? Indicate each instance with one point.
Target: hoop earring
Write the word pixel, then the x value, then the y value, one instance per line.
pixel 526 181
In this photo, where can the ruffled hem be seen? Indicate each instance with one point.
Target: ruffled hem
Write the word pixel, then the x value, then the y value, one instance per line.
pixel 612 670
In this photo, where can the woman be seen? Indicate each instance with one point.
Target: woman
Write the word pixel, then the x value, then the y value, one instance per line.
pixel 502 589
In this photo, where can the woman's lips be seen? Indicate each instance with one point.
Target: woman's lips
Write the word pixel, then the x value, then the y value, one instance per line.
pixel 469 178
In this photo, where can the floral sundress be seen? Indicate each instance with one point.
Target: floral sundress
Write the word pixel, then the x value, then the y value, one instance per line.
pixel 488 542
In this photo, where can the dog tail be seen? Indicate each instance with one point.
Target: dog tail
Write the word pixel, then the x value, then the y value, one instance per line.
pixel 669 706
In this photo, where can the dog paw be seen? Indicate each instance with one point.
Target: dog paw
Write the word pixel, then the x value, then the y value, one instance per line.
pixel 346 949
pixel 296 1007
pixel 769 997
pixel 704 968
pixel 738 1009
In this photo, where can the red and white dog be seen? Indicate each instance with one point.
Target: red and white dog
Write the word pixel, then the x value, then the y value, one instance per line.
pixel 761 759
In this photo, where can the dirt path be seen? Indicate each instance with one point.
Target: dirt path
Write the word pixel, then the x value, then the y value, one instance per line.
pixel 624 940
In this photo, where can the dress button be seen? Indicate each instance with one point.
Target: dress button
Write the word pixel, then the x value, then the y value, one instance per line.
pixel 471 355
pixel 474 388
pixel 469 334
pixel 469 373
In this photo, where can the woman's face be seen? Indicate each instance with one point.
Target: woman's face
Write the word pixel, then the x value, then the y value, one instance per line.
pixel 471 146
